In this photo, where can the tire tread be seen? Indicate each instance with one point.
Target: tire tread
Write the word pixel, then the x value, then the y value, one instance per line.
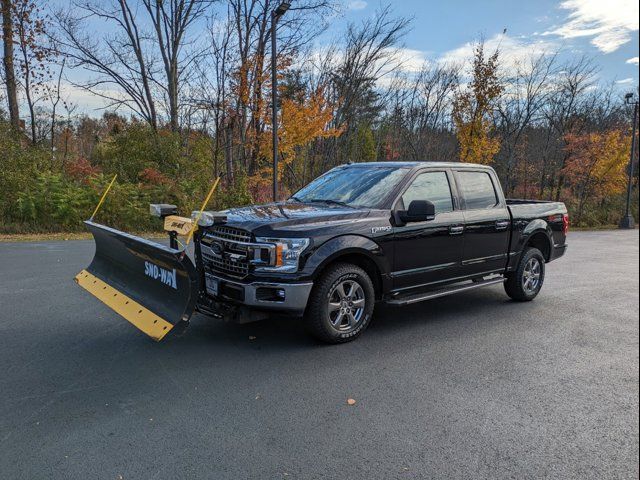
pixel 513 285
pixel 314 314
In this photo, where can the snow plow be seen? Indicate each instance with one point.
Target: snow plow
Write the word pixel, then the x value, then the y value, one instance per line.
pixel 153 286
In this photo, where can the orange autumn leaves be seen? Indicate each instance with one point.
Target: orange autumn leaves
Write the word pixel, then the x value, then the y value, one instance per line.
pixel 472 109
pixel 596 165
pixel 301 120
pixel 305 114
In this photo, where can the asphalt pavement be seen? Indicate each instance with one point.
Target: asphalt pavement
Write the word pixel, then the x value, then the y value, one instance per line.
pixel 467 386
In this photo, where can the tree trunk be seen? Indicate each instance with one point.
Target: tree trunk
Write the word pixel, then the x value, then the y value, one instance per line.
pixel 172 80
pixel 9 73
pixel 228 150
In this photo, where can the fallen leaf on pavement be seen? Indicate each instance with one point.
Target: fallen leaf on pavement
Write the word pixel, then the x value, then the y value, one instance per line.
pixel 351 401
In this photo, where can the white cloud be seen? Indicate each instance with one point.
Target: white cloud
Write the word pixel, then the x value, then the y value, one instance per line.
pixel 407 59
pixel 609 22
pixel 357 5
pixel 86 101
pixel 624 81
pixel 513 51
pixel 633 61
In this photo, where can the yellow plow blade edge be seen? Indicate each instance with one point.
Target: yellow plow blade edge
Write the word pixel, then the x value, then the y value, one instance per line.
pixel 144 319
pixel 152 286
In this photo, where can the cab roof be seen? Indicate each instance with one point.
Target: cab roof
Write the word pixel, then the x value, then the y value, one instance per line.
pixel 421 163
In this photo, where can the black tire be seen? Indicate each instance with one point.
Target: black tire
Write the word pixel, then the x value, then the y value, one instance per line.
pixel 332 325
pixel 519 285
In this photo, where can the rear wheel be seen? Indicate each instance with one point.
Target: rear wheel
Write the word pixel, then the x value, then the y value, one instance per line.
pixel 525 282
pixel 341 304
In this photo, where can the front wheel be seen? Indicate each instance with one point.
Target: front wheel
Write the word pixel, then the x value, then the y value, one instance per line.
pixel 341 304
pixel 525 282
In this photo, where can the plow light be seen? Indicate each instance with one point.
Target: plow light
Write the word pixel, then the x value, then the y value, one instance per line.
pixel 208 219
pixel 162 210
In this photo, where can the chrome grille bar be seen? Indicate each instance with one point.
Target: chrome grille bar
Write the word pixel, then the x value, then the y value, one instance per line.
pixel 239 251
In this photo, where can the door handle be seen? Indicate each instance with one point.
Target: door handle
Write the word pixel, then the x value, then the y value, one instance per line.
pixel 502 224
pixel 456 229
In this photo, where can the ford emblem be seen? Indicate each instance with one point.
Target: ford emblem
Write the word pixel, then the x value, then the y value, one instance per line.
pixel 218 248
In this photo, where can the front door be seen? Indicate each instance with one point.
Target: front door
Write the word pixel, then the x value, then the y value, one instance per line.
pixel 487 222
pixel 431 251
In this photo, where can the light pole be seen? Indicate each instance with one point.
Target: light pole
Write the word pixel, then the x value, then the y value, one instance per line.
pixel 627 221
pixel 278 12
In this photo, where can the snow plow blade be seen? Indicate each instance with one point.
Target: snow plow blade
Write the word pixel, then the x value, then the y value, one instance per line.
pixel 152 286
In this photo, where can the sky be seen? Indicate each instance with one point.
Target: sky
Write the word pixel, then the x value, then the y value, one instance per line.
pixel 444 31
pixel 606 30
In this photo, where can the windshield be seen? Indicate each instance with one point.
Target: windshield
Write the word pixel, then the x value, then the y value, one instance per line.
pixel 352 186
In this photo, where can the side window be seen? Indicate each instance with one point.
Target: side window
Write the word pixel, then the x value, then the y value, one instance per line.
pixel 477 189
pixel 432 186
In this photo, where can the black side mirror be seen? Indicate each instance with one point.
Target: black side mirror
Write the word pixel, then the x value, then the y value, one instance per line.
pixel 419 211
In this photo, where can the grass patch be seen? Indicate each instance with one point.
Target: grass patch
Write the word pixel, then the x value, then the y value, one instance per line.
pixel 61 237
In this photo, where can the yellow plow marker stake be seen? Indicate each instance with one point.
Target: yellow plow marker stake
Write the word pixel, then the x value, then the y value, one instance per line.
pixel 141 317
pixel 104 195
pixel 204 204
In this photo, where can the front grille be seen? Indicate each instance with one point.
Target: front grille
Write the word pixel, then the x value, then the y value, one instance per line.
pixel 233 259
pixel 223 264
pixel 231 233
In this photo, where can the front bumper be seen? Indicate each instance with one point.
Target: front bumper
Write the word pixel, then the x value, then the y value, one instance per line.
pixel 289 298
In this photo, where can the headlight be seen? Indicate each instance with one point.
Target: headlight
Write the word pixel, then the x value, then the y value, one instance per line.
pixel 287 253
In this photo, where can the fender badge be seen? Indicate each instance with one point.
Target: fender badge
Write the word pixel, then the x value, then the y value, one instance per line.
pixel 380 229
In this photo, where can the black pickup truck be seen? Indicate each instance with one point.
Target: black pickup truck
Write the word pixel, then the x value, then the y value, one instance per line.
pixel 394 232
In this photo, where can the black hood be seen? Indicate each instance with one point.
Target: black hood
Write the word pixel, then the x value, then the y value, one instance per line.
pixel 292 216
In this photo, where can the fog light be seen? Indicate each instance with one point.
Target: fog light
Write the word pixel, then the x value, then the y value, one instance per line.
pixel 270 294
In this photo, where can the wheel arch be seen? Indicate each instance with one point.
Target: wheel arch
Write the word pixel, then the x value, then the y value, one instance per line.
pixel 360 251
pixel 539 238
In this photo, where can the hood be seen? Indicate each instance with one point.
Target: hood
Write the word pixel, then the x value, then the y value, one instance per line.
pixel 291 216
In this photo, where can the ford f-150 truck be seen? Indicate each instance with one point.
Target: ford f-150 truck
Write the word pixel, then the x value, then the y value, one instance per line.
pixel 362 233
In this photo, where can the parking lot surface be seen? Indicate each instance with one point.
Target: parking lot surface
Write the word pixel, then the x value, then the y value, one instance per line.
pixel 467 386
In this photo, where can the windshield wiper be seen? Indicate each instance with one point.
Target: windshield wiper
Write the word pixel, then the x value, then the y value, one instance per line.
pixel 295 199
pixel 331 202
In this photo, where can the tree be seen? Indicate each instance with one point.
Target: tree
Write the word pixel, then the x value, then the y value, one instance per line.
pixel 9 69
pixel 117 62
pixel 126 57
pixel 567 111
pixel 527 92
pixel 33 56
pixel 171 21
pixel 595 165
pixel 473 110
pixel 304 118
pixel 417 120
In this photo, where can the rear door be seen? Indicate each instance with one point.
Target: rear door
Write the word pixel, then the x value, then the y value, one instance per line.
pixel 431 251
pixel 487 221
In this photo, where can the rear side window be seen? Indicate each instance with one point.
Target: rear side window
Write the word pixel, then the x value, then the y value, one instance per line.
pixel 432 186
pixel 477 189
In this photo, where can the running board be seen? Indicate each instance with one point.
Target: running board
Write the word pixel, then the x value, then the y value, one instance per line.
pixel 442 292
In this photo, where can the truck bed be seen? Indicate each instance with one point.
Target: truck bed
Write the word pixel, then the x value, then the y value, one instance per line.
pixel 528 213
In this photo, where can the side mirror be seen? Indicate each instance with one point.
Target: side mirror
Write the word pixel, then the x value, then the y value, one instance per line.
pixel 419 211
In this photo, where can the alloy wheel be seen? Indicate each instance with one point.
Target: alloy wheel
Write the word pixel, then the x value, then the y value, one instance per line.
pixel 531 276
pixel 346 305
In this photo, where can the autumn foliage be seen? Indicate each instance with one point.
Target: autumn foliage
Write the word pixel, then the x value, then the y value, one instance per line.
pixel 545 122
pixel 304 118
pixel 473 108
pixel 596 165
